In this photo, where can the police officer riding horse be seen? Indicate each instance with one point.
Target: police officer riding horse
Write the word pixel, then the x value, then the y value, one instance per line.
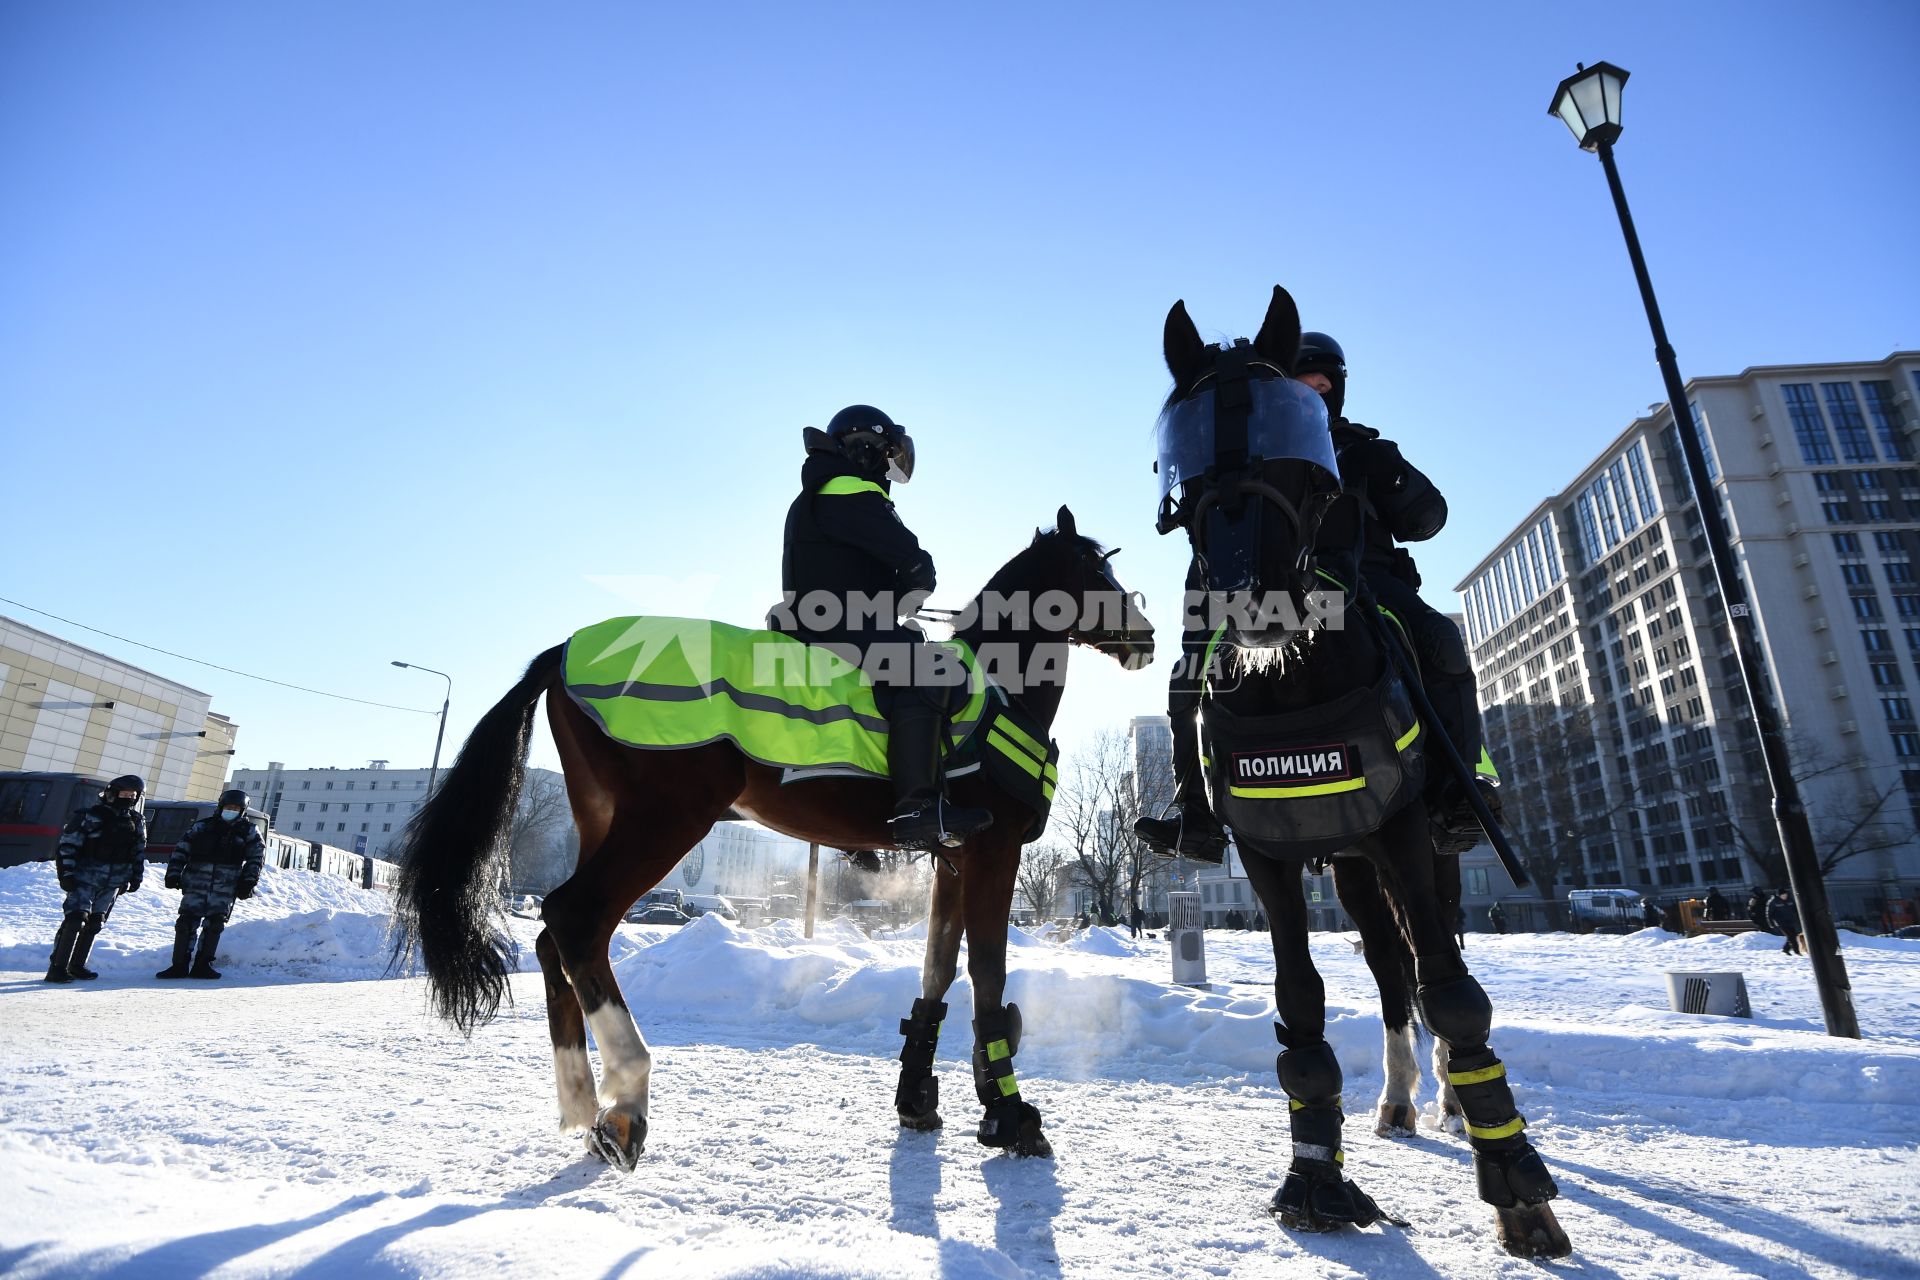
pixel 1311 739
pixel 851 576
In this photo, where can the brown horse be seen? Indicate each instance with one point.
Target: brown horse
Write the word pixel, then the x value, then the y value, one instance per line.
pixel 640 811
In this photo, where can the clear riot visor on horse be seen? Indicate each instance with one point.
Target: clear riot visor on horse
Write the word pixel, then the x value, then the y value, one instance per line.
pixel 1285 420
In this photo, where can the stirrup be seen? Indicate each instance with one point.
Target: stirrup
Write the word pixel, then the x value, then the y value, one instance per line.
pixel 933 824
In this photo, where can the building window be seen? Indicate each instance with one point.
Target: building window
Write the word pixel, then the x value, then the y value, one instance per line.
pixel 1809 428
pixel 296 826
pixel 363 826
pixel 329 786
pixel 1855 444
pixel 306 786
pixel 1886 419
pixel 1897 710
pixel 301 807
pixel 1866 606
pixel 386 826
pixel 1875 639
pixel 1856 575
pixel 349 784
pixel 340 826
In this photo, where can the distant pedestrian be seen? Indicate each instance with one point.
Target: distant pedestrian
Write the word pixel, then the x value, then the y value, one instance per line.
pixel 1717 908
pixel 218 860
pixel 1784 919
pixel 1497 918
pixel 1134 919
pixel 1650 913
pixel 102 854
pixel 1757 909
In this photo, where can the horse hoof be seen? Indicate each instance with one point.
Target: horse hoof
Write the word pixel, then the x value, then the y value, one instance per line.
pixel 618 1139
pixel 923 1123
pixel 1532 1231
pixel 1015 1128
pixel 1397 1120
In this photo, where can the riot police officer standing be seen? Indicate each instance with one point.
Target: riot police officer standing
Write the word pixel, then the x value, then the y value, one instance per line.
pixel 844 544
pixel 102 854
pixel 218 860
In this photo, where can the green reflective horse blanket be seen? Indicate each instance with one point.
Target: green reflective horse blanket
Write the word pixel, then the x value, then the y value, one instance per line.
pixel 667 683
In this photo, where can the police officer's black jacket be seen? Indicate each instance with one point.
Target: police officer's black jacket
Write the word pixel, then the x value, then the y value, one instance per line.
pixel 1402 504
pixel 843 538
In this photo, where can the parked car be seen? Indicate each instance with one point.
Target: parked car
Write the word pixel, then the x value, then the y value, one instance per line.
pixel 526 906
pixel 660 913
pixel 700 904
pixel 1910 931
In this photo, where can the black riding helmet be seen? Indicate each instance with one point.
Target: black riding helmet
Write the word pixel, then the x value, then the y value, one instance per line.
pixel 234 797
pixel 125 782
pixel 869 439
pixel 1321 354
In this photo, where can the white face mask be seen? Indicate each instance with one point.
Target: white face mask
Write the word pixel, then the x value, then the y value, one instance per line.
pixel 231 815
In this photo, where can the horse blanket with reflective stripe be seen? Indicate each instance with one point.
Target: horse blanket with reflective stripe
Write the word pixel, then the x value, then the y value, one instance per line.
pixel 674 683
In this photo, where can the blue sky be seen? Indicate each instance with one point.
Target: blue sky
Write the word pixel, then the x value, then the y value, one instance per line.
pixel 337 333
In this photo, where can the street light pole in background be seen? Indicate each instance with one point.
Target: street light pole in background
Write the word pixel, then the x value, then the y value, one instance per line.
pixel 1588 102
pixel 433 776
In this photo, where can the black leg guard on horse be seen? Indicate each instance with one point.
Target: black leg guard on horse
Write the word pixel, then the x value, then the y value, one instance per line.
pixel 1010 1121
pixel 1316 1196
pixel 1508 1170
pixel 917 1096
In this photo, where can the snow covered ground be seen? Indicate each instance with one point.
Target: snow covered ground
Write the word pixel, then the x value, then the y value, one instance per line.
pixel 304 1116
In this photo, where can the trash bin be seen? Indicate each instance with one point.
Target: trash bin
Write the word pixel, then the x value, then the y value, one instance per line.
pixel 1724 994
pixel 1185 930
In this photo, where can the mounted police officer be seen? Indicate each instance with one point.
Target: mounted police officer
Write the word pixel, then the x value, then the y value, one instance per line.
pixel 1403 505
pixel 218 860
pixel 102 854
pixel 846 548
pixel 1400 505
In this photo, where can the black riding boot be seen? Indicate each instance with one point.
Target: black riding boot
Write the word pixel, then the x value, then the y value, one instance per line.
pixel 1187 828
pixel 209 943
pixel 922 818
pixel 183 930
pixel 63 946
pixel 89 930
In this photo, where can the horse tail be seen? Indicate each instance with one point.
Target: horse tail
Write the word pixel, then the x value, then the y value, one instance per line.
pixel 451 855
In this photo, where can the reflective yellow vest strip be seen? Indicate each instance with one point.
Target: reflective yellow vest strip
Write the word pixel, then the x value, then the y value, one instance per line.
pixel 1405 740
pixel 1295 793
pixel 840 486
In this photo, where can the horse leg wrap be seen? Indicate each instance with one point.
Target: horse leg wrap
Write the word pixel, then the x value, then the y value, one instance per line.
pixel 1457 1010
pixel 1509 1171
pixel 1315 1195
pixel 917 1096
pixel 996 1038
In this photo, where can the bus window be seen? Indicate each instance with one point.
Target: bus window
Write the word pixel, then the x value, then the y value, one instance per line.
pixel 25 800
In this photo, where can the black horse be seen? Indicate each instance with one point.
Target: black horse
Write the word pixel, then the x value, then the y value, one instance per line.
pixel 1312 750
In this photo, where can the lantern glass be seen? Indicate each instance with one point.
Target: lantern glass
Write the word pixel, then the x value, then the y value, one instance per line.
pixel 1588 103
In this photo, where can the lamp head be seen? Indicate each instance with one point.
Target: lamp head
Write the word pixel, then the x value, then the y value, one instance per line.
pixel 1588 103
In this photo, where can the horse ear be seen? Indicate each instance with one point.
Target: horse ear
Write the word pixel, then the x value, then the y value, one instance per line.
pixel 1186 354
pixel 1064 523
pixel 1279 336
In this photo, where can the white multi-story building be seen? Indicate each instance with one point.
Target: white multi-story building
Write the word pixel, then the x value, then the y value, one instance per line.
pixel 743 860
pixel 1609 680
pixel 67 709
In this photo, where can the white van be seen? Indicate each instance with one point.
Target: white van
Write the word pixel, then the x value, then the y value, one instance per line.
pixel 699 904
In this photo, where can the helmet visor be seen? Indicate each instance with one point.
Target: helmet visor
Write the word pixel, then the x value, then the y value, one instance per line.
pixel 900 459
pixel 1288 420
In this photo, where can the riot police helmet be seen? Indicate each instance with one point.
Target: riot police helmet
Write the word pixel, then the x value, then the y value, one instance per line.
pixel 1320 354
pixel 235 798
pixel 872 441
pixel 125 782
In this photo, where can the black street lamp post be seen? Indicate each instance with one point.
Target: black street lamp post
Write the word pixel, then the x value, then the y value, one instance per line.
pixel 433 775
pixel 1588 102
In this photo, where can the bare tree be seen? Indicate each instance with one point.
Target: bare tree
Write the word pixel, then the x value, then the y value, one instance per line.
pixel 1847 812
pixel 1038 879
pixel 538 838
pixel 1095 810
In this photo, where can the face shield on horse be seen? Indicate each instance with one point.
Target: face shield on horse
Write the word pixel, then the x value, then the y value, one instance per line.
pixel 1312 751
pixel 664 725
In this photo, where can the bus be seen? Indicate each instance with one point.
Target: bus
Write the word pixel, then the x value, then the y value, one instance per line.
pixel 33 808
